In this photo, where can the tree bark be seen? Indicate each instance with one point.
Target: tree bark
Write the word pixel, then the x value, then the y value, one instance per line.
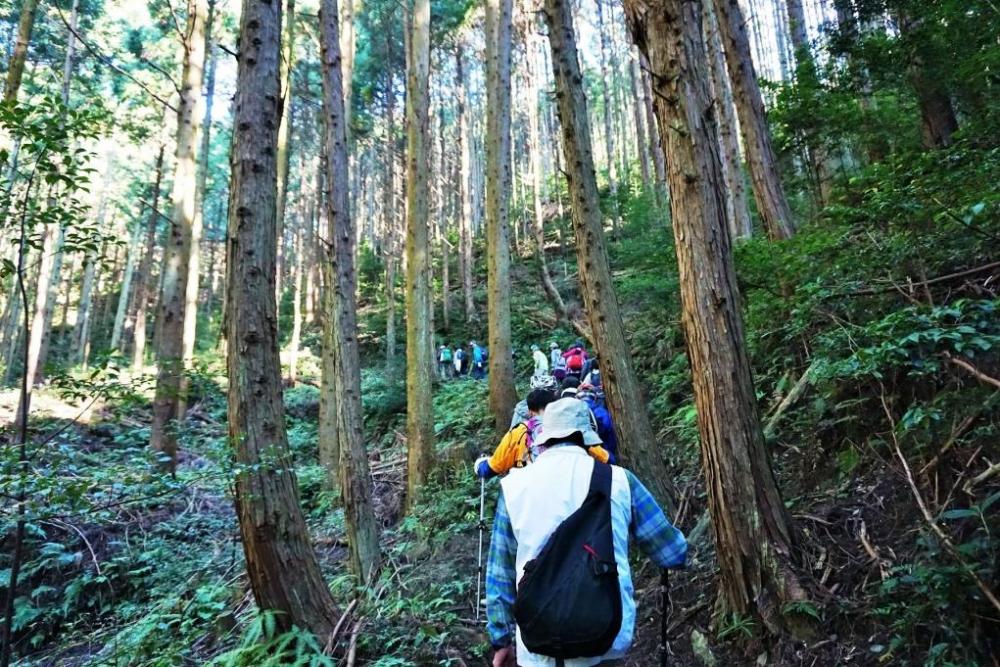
pixel 465 183
pixel 282 567
pixel 637 119
pixel 535 150
pixel 655 149
pixel 937 115
pixel 355 477
pixel 15 68
pixel 44 295
pixel 737 206
pixel 389 209
pixel 609 137
pixel 177 253
pixel 498 186
pixel 126 287
pixel 768 191
pixel 419 342
pixel 192 288
pixel 637 443
pixel 284 138
pixel 140 298
pixel 753 532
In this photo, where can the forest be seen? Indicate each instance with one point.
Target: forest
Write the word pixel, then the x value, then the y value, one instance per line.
pixel 278 276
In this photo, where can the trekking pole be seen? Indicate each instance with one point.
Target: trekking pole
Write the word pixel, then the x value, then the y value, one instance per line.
pixel 664 605
pixel 482 527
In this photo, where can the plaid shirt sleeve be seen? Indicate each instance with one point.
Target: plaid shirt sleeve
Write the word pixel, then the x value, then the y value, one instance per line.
pixel 501 575
pixel 656 536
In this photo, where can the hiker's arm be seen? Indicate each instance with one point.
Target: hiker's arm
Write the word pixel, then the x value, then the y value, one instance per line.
pixel 657 537
pixel 504 457
pixel 501 577
pixel 600 454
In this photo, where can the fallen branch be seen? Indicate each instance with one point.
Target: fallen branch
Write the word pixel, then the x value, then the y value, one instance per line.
pixel 796 392
pixel 336 629
pixel 929 518
pixel 932 281
pixel 981 376
pixel 992 470
pixel 352 652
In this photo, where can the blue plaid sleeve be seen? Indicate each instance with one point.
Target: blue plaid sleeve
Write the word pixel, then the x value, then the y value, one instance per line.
pixel 656 536
pixel 501 579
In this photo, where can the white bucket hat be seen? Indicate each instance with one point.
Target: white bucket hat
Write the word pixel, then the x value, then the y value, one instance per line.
pixel 565 417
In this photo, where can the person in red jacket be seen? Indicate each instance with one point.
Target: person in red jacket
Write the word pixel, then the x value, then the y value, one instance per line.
pixel 576 358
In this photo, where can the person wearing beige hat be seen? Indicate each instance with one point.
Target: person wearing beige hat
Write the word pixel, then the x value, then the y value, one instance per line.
pixel 535 500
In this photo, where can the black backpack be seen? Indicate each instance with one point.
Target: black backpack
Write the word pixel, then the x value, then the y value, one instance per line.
pixel 568 602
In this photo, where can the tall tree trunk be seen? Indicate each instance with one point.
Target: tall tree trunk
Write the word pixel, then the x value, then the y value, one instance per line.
pixel 498 186
pixel 355 476
pixel 937 115
pixel 126 286
pixel 816 154
pixel 192 288
pixel 347 55
pixel 637 119
pixel 535 150
pixel 140 298
pixel 329 421
pixel 637 442
pixel 170 318
pixel 737 206
pixel 419 342
pixel 284 138
pixel 284 574
pixel 609 140
pixel 15 68
pixel 753 532
pixel 295 341
pixel 389 209
pixel 768 191
pixel 44 295
pixel 659 158
pixel 465 183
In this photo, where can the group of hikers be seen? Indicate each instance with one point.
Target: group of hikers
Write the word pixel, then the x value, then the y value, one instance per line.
pixel 461 361
pixel 559 588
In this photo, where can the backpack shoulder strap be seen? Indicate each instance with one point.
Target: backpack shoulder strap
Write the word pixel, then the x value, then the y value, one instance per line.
pixel 600 479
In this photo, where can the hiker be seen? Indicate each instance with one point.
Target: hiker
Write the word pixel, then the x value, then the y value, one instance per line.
pixel 478 361
pixel 570 387
pixel 459 360
pixel 541 361
pixel 516 449
pixel 593 375
pixel 543 381
pixel 534 502
pixel 444 362
pixel 556 362
pixel 603 424
pixel 576 358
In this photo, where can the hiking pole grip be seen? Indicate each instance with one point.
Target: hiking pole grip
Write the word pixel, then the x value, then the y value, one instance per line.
pixel 664 605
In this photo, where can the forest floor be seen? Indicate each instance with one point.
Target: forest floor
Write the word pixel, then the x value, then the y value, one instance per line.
pixel 856 328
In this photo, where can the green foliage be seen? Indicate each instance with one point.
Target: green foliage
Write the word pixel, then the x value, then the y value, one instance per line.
pixel 262 646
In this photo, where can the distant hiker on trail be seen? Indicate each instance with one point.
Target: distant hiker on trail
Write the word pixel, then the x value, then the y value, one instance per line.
pixel 478 361
pixel 556 361
pixel 541 361
pixel 588 608
pixel 576 358
pixel 445 362
pixel 459 361
pixel 593 376
pixel 516 448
